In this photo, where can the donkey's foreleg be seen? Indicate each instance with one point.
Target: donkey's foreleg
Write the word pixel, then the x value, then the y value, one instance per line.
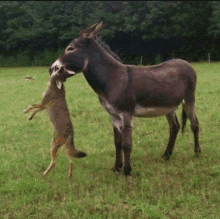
pixel 118 142
pixel 127 143
pixel 174 129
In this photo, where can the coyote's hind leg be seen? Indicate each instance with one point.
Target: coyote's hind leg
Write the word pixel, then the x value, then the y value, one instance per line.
pixel 55 145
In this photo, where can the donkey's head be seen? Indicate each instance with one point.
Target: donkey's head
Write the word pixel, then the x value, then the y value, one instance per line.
pixel 74 58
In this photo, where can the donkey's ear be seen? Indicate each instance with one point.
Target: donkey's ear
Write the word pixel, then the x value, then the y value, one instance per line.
pixel 91 31
pixel 84 34
pixel 97 29
pixel 88 30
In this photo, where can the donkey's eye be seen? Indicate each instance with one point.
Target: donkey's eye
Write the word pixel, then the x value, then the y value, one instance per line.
pixel 70 48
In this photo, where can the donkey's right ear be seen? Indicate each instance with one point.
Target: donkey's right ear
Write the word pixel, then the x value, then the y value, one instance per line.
pixel 90 32
pixel 89 29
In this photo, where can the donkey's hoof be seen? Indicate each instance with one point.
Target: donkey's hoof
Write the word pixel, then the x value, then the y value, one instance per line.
pixel 166 156
pixel 196 155
pixel 127 172
pixel 24 111
pixel 116 169
pixel 197 152
pixel 30 118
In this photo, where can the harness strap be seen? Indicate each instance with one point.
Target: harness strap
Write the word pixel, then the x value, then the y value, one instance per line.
pixel 130 78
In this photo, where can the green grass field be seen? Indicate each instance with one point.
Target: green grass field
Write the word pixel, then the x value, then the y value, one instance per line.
pixel 184 187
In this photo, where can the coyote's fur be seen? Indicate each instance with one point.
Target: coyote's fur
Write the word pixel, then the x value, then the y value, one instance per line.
pixel 55 102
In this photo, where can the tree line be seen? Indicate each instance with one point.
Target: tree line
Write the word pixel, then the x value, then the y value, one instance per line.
pixel 137 31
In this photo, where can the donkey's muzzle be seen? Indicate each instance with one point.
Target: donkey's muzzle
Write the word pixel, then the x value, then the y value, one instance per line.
pixel 62 72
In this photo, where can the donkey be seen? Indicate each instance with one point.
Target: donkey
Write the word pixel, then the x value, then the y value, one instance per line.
pixel 127 91
pixel 55 102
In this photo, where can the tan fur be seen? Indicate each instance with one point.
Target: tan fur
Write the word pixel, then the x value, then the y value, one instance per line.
pixel 55 102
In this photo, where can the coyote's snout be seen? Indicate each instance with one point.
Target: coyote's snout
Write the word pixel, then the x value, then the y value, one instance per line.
pixel 55 102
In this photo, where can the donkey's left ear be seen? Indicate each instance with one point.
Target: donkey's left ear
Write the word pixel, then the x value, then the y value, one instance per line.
pixel 89 29
pixel 97 29
pixel 59 84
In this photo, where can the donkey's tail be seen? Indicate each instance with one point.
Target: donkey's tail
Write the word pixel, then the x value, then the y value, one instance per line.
pixel 184 119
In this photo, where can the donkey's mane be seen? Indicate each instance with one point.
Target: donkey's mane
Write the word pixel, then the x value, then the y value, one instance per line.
pixel 108 49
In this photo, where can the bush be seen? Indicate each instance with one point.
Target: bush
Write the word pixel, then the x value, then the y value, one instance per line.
pixel 45 58
pixel 22 60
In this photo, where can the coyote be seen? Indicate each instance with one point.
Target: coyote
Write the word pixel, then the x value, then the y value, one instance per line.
pixel 55 102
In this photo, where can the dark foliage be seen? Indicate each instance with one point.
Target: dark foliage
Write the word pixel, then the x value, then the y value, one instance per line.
pixel 134 30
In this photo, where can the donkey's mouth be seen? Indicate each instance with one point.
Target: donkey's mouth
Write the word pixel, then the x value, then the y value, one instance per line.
pixel 63 72
pixel 70 73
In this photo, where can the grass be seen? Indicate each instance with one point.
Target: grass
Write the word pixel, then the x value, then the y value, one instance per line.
pixel 184 187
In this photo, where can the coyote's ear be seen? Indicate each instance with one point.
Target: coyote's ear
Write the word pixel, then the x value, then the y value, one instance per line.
pixel 59 84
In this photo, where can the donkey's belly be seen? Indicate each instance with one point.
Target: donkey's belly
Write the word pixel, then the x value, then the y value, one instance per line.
pixel 152 111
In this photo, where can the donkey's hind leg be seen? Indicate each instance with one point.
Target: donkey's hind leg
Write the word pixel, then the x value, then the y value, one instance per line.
pixel 127 141
pixel 174 129
pixel 55 145
pixel 191 114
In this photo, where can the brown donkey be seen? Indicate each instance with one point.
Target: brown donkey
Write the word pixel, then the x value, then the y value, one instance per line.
pixel 127 91
pixel 55 102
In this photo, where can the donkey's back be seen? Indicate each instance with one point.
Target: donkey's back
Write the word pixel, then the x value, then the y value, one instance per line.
pixel 164 85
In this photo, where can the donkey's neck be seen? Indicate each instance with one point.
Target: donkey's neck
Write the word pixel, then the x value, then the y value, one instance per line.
pixel 101 67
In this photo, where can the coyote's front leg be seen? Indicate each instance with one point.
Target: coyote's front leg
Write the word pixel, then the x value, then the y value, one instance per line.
pixel 37 107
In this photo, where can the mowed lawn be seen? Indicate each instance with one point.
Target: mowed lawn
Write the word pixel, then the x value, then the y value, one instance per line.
pixel 184 187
